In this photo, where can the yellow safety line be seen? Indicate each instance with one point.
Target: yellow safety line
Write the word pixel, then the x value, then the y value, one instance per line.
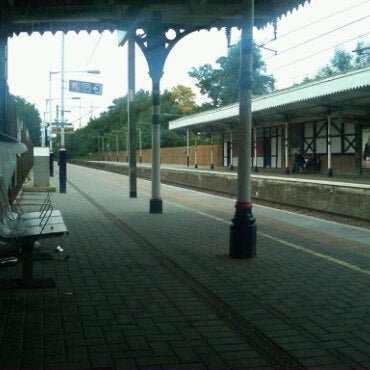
pixel 317 254
pixel 281 241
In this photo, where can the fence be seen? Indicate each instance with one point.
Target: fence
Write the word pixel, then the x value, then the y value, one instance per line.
pixel 174 155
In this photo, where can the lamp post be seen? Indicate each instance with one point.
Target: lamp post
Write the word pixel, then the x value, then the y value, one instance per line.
pixel 116 136
pixel 124 132
pixel 62 150
pixel 141 141
pixel 102 140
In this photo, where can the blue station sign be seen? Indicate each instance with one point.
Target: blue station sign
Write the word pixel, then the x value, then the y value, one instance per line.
pixel 85 87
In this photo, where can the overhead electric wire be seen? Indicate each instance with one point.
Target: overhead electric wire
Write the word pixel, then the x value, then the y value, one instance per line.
pixel 83 116
pixel 319 52
pixel 314 22
pixel 319 36
pixel 93 52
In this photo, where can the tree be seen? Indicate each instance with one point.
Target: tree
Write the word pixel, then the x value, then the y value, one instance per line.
pixel 183 99
pixel 114 120
pixel 344 61
pixel 340 62
pixel 221 84
pixel 30 116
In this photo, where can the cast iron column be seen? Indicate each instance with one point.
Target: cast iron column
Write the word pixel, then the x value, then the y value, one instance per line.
pixel 330 171
pixel 358 150
pixel 62 149
pixel 156 46
pixel 231 150
pixel 131 117
pixel 196 151
pixel 187 149
pixel 243 228
pixel 255 148
pixel 212 152
pixel 156 200
pixel 286 149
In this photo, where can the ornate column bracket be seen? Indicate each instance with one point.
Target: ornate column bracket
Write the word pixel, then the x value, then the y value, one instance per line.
pixel 156 40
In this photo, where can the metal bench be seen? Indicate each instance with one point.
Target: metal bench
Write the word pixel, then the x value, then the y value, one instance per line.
pixel 20 230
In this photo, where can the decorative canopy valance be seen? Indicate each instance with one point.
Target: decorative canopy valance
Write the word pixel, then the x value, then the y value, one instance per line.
pixel 41 16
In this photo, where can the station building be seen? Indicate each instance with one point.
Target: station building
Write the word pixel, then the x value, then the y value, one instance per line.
pixel 326 120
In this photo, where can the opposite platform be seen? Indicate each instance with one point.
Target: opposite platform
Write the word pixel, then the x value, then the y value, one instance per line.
pixel 345 196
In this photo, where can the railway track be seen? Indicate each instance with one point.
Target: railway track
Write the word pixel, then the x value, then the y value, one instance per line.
pixel 347 220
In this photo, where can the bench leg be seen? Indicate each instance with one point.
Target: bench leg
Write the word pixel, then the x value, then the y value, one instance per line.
pixel 27 270
pixel 27 280
pixel 27 263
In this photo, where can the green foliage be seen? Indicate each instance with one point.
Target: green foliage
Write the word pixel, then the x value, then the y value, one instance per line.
pixel 221 84
pixel 344 61
pixel 183 99
pixel 341 61
pixel 174 103
pixel 30 117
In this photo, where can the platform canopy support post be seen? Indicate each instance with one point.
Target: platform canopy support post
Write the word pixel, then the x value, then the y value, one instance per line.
pixel 243 229
pixel 212 165
pixel 231 149
pixel 196 150
pixel 62 149
pixel 156 46
pixel 255 147
pixel 131 117
pixel 286 148
pixel 330 170
pixel 187 149
pixel 156 200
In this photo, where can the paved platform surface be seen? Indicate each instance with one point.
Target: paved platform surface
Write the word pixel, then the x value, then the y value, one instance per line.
pixel 146 290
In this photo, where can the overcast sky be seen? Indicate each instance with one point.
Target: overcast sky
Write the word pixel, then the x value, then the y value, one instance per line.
pixel 302 38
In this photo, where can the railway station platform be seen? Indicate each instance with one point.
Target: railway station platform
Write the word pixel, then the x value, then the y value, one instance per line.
pixel 141 290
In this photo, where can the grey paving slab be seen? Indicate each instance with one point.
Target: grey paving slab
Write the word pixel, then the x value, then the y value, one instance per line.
pixel 144 290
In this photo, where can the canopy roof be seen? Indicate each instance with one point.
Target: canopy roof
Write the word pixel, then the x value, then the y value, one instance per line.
pixel 65 15
pixel 347 94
